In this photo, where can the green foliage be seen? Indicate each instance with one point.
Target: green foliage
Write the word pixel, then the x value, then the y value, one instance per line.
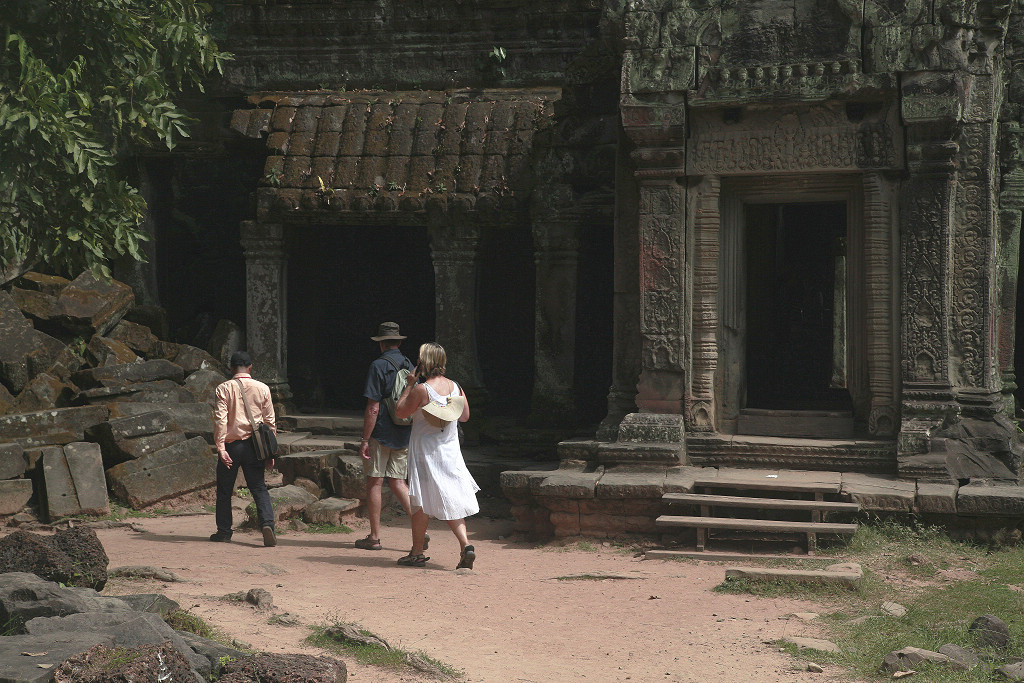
pixel 377 655
pixel 82 83
pixel 184 620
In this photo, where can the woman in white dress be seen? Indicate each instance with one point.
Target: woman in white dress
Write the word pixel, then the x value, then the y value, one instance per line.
pixel 440 485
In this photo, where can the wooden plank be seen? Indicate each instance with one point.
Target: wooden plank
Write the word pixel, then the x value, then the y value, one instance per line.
pixel 786 485
pixel 763 503
pixel 770 525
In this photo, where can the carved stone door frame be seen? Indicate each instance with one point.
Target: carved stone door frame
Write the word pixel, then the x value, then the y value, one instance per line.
pixel 718 265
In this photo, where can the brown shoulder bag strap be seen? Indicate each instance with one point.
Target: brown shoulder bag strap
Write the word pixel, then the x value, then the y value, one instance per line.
pixel 248 413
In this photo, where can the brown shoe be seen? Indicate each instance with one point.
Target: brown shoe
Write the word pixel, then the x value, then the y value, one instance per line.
pixel 269 537
pixel 468 556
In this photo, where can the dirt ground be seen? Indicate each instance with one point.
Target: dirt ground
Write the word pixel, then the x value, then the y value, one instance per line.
pixel 515 617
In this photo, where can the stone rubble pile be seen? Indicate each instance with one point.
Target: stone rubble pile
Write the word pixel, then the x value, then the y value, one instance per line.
pixel 92 399
pixel 63 631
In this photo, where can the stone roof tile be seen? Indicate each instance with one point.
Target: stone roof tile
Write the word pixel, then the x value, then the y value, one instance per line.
pixel 387 151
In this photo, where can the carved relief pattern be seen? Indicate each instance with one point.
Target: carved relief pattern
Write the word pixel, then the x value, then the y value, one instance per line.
pixel 820 139
pixel 661 274
pixel 925 250
pixel 879 300
pixel 973 250
pixel 707 221
pixel 777 80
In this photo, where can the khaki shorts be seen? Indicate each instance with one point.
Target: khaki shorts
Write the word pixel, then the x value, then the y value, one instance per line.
pixel 386 462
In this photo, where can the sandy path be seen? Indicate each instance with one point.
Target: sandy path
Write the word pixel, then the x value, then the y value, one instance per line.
pixel 508 620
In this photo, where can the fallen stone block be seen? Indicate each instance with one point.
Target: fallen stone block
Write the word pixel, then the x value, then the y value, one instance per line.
pixel 136 337
pixel 153 662
pixel 991 631
pixel 332 511
pixel 44 392
pixel 75 482
pixel 49 652
pixel 153 317
pixel 25 353
pixel 113 375
pixel 217 654
pixel 89 306
pixel 313 465
pixel 6 401
pixel 157 603
pixel 202 384
pixel 965 657
pixel 289 502
pixel 133 426
pixel 72 556
pixel 160 391
pixel 227 338
pixel 12 460
pixel 102 351
pixel 25 596
pixel 132 449
pixel 348 478
pixel 127 628
pixel 904 659
pixel 192 358
pixel 14 495
pixel 1014 672
pixel 849 577
pixel 48 427
pixel 936 498
pixel 279 668
pixel 173 471
pixel 35 305
pixel 67 362
pixel 39 282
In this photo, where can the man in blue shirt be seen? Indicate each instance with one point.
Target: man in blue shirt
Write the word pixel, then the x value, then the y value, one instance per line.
pixel 384 446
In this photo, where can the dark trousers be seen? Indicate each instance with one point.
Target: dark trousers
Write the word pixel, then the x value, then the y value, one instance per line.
pixel 242 455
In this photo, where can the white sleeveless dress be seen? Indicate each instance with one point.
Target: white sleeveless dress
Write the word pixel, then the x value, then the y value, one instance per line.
pixel 439 481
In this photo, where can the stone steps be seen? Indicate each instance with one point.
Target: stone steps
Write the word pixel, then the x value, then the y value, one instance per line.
pixel 786 494
pixel 705 499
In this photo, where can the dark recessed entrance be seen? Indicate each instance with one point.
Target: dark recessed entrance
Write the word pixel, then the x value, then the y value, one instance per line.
pixel 343 282
pixel 796 306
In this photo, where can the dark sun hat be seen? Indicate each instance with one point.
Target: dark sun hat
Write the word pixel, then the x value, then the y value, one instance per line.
pixel 387 331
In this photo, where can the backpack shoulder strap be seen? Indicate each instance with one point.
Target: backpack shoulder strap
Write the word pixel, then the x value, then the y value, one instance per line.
pixel 245 402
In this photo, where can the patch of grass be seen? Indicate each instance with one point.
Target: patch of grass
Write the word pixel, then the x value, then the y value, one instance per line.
pixel 185 620
pixel 377 655
pixel 12 627
pixel 943 583
pixel 328 529
pixel 583 577
pixel 243 492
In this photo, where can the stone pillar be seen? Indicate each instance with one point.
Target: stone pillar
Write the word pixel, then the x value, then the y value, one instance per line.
pixel 658 430
pixel 556 257
pixel 266 306
pixel 1011 203
pixel 455 254
pixel 663 284
pixel 626 296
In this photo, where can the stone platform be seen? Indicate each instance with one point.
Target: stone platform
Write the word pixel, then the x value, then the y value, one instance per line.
pixel 606 501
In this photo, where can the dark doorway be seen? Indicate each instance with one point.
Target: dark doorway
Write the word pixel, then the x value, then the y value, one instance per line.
pixel 795 359
pixel 342 283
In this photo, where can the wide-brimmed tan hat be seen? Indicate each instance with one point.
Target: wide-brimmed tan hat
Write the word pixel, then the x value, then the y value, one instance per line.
pixel 387 331
pixel 443 413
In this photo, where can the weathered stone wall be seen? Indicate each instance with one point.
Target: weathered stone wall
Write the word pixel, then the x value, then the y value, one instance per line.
pixel 399 44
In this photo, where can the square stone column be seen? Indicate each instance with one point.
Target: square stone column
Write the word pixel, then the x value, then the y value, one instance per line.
pixel 556 259
pixel 454 251
pixel 266 306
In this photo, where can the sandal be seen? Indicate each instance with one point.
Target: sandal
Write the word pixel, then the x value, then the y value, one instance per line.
pixel 368 543
pixel 468 556
pixel 411 560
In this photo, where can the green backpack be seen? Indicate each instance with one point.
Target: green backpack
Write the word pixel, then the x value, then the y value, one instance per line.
pixel 401 379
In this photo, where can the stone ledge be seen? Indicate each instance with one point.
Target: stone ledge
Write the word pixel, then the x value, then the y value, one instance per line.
pixel 569 484
pixel 981 499
pixel 668 453
pixel 618 484
pixel 879 493
pixel 935 498
pixel 845 575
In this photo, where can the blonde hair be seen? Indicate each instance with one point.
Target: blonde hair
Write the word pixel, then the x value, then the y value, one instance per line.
pixel 432 360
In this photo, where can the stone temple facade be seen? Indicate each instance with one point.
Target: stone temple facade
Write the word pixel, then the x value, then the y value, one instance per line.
pixel 758 233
